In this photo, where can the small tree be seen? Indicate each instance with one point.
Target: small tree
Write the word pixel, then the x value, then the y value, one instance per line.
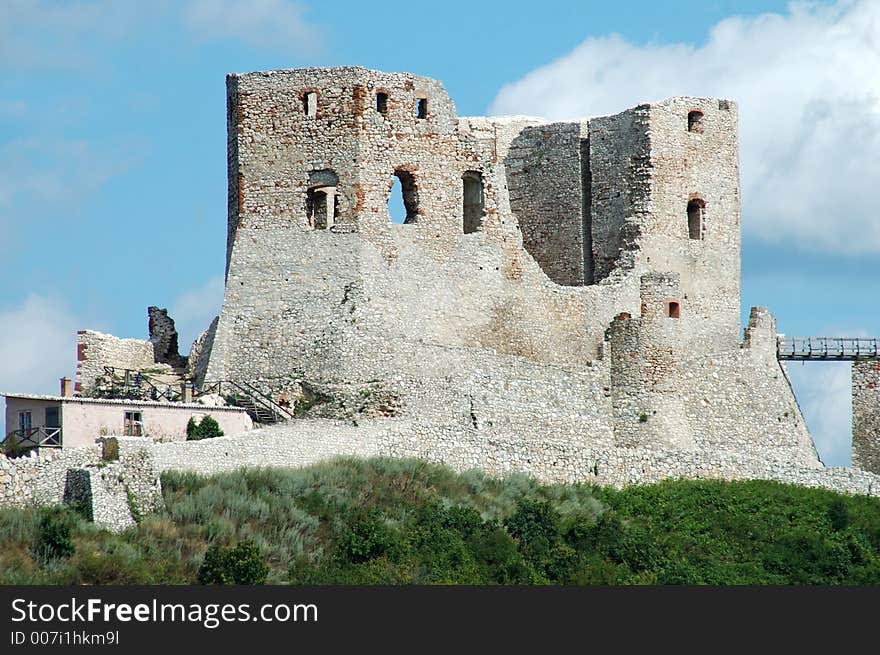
pixel 207 429
pixel 244 564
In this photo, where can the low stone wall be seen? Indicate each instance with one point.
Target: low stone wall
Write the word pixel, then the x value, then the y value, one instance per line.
pixel 40 479
pixel 109 491
pixel 301 443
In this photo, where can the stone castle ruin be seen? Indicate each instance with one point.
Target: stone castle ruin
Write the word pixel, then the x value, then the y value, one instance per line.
pixel 562 298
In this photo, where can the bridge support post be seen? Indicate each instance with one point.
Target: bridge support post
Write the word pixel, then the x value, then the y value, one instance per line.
pixel 866 415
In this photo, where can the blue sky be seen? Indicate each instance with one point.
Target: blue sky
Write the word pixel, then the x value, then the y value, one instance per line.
pixel 112 143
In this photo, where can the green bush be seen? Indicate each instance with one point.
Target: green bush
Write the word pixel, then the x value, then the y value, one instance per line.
pixel 206 429
pixel 54 540
pixel 12 447
pixel 243 565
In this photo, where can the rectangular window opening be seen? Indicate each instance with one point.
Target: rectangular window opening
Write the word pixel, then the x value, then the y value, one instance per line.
pixel 421 107
pixel 134 425
pixel 381 102
pixel 310 104
pixel 24 421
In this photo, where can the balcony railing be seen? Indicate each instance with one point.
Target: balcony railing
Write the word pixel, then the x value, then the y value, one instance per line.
pixel 32 438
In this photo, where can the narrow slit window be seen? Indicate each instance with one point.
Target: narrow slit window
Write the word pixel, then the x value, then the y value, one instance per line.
pixel 421 107
pixel 472 210
pixel 382 102
pixel 695 217
pixel 310 104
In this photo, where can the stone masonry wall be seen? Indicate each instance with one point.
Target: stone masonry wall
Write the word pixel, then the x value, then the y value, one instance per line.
pixel 108 488
pixel 544 178
pixel 701 166
pixel 619 194
pixel 95 350
pixel 866 415
pixel 307 442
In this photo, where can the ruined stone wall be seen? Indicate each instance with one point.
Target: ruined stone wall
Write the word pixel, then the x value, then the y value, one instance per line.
pixel 866 416
pixel 40 479
pixel 95 350
pixel 619 193
pixel 108 490
pixel 199 353
pixel 163 336
pixel 545 181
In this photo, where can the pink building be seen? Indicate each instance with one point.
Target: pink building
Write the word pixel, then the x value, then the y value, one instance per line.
pixel 71 422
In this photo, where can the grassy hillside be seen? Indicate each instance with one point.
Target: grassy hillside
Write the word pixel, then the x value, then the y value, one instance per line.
pixel 403 521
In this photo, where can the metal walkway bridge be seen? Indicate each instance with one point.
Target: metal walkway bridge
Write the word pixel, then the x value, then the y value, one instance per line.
pixel 848 349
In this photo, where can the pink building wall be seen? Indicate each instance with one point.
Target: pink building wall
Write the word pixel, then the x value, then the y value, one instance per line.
pixel 85 419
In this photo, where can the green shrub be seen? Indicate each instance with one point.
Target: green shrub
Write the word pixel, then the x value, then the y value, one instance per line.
pixel 12 447
pixel 391 521
pixel 243 565
pixel 54 540
pixel 207 429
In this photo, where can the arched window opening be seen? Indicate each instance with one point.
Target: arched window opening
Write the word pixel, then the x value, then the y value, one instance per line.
pixel 403 200
pixel 421 107
pixel 310 104
pixel 673 309
pixel 695 121
pixel 381 102
pixel 696 213
pixel 474 203
pixel 322 199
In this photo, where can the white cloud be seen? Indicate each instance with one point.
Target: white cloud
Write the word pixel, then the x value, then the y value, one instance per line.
pixel 824 392
pixel 272 24
pixel 808 90
pixel 37 346
pixel 194 310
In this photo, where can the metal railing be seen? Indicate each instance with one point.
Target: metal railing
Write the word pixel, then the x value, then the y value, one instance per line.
pixel 259 405
pixel 827 348
pixel 134 385
pixel 33 438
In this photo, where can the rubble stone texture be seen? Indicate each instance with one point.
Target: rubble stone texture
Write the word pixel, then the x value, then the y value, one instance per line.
pixel 866 415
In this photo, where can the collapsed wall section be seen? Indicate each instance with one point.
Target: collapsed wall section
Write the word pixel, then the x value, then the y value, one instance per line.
pixel 619 190
pixel 545 178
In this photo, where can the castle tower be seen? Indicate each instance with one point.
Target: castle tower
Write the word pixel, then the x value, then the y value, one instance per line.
pixel 866 415
pixel 646 374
